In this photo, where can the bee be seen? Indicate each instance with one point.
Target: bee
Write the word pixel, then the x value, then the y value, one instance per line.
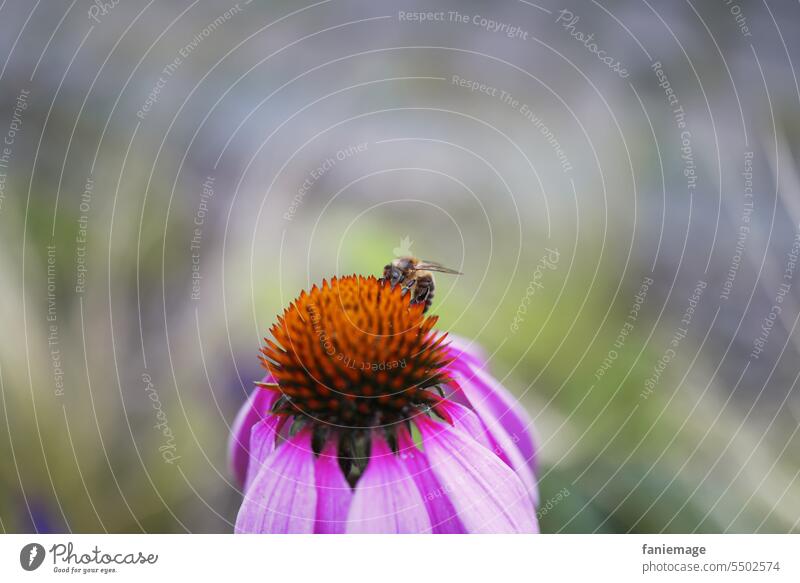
pixel 416 277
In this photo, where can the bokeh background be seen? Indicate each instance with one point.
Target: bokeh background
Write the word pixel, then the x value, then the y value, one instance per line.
pixel 618 181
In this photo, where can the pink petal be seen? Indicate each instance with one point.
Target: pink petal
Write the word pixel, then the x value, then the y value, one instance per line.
pixel 334 494
pixel 262 444
pixel 493 435
pixel 282 498
pixel 488 495
pixel 495 439
pixel 254 409
pixel 443 516
pixel 510 453
pixel 386 499
pixel 493 402
pixel 463 348
pixel 466 420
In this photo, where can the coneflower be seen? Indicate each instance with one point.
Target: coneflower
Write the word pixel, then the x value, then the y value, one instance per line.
pixel 371 421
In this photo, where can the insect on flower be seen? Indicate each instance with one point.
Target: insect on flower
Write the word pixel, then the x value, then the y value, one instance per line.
pixel 369 420
pixel 416 277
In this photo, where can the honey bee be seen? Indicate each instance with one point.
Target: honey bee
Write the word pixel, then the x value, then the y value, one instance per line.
pixel 416 277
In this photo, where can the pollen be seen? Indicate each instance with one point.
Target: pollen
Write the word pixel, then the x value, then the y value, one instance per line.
pixel 355 352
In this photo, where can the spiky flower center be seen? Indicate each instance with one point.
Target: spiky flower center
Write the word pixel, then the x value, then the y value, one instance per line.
pixel 355 353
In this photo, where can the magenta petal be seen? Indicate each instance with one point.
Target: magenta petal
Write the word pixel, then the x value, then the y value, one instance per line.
pixel 443 516
pixel 282 498
pixel 463 348
pixel 386 499
pixel 333 493
pixel 507 449
pixel 254 409
pixel 466 420
pixel 503 444
pixel 491 400
pixel 488 495
pixel 496 439
pixel 262 444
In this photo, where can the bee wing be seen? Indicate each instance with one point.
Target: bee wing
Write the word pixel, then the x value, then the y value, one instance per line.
pixel 438 267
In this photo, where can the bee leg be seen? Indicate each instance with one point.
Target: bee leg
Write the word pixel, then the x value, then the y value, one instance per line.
pixel 407 287
pixel 428 300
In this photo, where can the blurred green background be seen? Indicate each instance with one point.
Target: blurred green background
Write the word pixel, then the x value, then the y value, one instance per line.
pixel 179 171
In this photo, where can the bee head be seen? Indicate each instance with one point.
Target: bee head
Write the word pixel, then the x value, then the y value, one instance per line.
pixel 399 269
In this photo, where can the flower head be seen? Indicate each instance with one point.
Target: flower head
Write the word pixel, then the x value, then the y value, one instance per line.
pixel 354 353
pixel 371 421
